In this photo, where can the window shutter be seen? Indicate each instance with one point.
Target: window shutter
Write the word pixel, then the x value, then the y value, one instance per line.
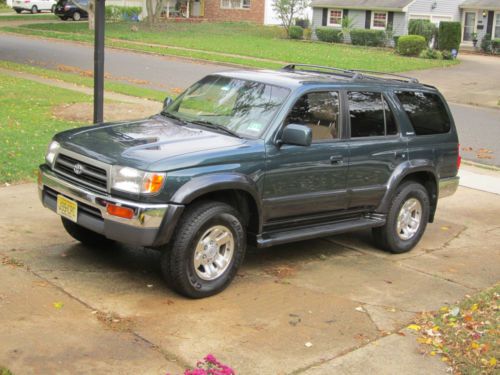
pixel 489 23
pixel 368 19
pixel 390 21
pixel 345 13
pixel 325 16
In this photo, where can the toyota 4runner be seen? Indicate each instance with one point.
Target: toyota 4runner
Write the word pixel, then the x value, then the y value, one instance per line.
pixel 259 157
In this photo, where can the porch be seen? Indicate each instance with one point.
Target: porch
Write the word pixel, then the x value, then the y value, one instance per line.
pixel 479 18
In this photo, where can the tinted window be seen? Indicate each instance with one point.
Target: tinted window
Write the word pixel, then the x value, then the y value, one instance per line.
pixel 319 111
pixel 426 112
pixel 370 115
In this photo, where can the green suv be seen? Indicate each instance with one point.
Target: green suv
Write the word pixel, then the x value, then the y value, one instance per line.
pixel 261 158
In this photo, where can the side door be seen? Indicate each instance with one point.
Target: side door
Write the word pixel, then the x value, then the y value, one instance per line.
pixel 308 180
pixel 376 146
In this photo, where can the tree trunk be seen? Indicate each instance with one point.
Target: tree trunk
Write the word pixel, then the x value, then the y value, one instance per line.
pixel 91 12
pixel 150 10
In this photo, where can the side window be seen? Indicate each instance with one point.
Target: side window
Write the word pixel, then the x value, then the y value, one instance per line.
pixel 319 111
pixel 426 112
pixel 370 115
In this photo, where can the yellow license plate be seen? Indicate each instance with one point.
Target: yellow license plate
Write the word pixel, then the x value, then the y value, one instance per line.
pixel 67 208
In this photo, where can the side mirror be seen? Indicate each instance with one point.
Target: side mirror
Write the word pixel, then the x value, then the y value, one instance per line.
pixel 168 100
pixel 295 134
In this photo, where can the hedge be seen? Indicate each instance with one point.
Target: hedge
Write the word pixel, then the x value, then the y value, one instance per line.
pixel 295 32
pixel 489 45
pixel 424 28
pixel 328 34
pixel 450 34
pixel 364 37
pixel 117 13
pixel 411 45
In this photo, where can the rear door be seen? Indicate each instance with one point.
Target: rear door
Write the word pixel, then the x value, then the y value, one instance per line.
pixel 376 146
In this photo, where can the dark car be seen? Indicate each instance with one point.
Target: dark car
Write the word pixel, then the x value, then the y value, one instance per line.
pixel 259 157
pixel 76 10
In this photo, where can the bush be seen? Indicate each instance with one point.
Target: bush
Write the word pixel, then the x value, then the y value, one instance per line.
pixel 450 34
pixel 364 37
pixel 432 54
pixel 447 55
pixel 328 34
pixel 495 46
pixel 302 22
pixel 295 32
pixel 411 45
pixel 118 13
pixel 486 43
pixel 395 38
pixel 423 28
pixel 307 34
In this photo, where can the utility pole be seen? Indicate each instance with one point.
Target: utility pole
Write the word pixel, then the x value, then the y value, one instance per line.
pixel 99 61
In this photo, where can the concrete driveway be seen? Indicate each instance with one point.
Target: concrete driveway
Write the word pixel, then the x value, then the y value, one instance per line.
pixel 68 309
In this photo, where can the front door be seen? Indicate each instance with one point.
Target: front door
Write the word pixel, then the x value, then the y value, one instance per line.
pixel 469 26
pixel 302 180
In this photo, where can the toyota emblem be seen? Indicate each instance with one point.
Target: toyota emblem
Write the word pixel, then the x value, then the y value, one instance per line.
pixel 78 169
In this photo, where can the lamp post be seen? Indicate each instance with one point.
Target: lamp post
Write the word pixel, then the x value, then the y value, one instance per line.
pixel 99 14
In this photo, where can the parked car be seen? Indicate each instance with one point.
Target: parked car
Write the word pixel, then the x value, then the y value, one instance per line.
pixel 260 157
pixel 66 9
pixel 34 6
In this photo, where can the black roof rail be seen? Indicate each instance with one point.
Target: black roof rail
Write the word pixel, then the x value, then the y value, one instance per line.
pixel 353 73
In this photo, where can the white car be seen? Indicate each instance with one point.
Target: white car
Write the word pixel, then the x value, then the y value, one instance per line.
pixel 34 6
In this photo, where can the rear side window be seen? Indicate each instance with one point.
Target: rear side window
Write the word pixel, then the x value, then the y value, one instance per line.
pixel 370 115
pixel 426 112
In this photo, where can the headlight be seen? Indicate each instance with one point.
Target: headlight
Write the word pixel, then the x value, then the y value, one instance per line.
pixel 135 181
pixel 52 152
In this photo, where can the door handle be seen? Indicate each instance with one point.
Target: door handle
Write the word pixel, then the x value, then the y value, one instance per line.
pixel 336 159
pixel 399 154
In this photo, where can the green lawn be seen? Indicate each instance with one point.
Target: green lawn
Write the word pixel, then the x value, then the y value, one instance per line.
pixel 113 86
pixel 27 16
pixel 239 40
pixel 27 124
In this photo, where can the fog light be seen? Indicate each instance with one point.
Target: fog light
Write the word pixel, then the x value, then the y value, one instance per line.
pixel 124 212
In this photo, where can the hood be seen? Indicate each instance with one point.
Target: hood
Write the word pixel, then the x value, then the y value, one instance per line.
pixel 141 143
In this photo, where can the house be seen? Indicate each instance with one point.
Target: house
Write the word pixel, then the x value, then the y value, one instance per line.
pixel 478 17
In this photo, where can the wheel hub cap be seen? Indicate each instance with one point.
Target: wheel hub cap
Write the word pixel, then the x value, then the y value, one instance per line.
pixel 214 252
pixel 409 219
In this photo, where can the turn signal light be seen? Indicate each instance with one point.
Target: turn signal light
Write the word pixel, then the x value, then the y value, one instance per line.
pixel 153 183
pixel 124 212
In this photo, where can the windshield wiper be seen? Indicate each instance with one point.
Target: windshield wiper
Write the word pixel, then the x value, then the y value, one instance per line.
pixel 211 125
pixel 168 114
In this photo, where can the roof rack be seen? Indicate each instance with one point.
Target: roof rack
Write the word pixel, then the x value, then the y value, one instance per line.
pixel 353 73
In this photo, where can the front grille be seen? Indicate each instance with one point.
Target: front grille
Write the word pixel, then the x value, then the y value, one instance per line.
pixel 89 175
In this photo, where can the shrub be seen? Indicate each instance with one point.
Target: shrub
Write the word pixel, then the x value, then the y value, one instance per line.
pixel 307 34
pixel 495 46
pixel 486 43
pixel 447 55
pixel 328 34
pixel 117 13
pixel 450 34
pixel 364 37
pixel 423 28
pixel 295 32
pixel 411 45
pixel 302 22
pixel 395 38
pixel 432 54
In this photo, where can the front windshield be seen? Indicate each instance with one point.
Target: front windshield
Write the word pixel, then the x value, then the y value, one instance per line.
pixel 243 107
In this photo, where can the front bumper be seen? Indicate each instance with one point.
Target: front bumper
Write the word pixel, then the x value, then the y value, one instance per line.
pixel 448 186
pixel 152 224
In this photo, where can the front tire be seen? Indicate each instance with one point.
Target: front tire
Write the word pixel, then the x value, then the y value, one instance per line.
pixel 53 9
pixel 84 235
pixel 406 220
pixel 76 16
pixel 18 11
pixel 208 248
pixel 34 9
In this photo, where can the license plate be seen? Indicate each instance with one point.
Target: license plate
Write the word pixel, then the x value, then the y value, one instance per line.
pixel 67 208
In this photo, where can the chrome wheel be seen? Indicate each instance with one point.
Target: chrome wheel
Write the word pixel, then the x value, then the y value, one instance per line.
pixel 409 219
pixel 214 252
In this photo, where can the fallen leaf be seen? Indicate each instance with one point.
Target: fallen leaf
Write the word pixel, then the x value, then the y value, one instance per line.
pixel 414 327
pixel 493 362
pixel 58 305
pixel 454 311
pixel 360 309
pixel 308 344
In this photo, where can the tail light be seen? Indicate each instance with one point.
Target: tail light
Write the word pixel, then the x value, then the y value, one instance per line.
pixel 459 158
pixel 67 7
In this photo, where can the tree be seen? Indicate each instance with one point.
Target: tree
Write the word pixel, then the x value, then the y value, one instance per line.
pixel 287 10
pixel 91 12
pixel 154 9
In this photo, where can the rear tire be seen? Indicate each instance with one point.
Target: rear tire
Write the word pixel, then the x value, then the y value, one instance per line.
pixel 207 250
pixel 53 9
pixel 63 18
pixel 76 16
pixel 84 235
pixel 34 9
pixel 406 220
pixel 18 11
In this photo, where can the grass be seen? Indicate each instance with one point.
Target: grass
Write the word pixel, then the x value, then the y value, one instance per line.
pixel 466 335
pixel 5 371
pixel 117 87
pixel 27 16
pixel 245 44
pixel 27 124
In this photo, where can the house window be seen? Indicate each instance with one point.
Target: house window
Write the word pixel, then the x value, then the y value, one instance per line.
pixel 235 4
pixel 379 20
pixel 335 17
pixel 496 26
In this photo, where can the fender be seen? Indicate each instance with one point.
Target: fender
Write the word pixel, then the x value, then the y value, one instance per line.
pixel 403 170
pixel 199 186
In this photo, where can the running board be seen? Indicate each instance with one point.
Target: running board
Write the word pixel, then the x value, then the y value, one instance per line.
pixel 279 237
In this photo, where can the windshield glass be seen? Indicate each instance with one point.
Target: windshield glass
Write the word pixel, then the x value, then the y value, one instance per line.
pixel 244 107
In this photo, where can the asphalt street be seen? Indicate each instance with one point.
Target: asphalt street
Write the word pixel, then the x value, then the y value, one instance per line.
pixel 479 128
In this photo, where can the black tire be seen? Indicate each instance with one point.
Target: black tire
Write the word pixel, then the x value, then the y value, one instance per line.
pixel 84 235
pixel 177 262
pixel 18 11
pixel 63 18
pixel 77 16
pixel 387 237
pixel 34 9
